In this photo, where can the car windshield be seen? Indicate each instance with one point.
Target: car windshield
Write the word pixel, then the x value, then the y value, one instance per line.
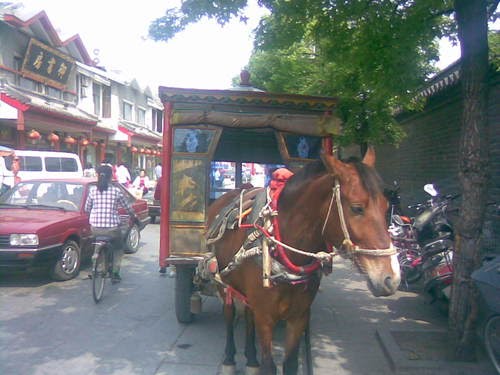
pixel 44 194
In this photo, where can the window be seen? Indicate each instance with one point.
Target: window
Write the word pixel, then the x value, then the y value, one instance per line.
pixel 127 111
pixel 17 68
pixel 141 116
pixel 53 92
pixel 26 83
pixel 157 120
pixel 96 94
pixel 56 164
pixel 226 175
pixel 27 163
pixel 106 101
pixel 82 84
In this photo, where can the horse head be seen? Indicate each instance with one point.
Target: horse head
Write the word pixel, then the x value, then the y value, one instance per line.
pixel 362 233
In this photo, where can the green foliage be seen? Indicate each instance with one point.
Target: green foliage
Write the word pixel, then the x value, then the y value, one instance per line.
pixel 494 44
pixel 176 19
pixel 374 55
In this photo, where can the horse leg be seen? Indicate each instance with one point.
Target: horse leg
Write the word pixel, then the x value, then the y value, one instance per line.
pixel 265 331
pixel 294 329
pixel 229 365
pixel 250 350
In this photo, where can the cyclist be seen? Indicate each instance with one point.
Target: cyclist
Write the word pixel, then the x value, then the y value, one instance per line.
pixel 102 204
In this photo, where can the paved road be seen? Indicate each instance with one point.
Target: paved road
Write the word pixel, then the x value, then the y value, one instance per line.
pixel 55 328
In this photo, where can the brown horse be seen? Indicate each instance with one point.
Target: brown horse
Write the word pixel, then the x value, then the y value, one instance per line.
pixel 309 218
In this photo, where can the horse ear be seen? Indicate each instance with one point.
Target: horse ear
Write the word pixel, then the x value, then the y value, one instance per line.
pixel 333 165
pixel 369 158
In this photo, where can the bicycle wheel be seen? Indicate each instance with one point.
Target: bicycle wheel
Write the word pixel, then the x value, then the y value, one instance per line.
pixel 99 275
pixel 492 340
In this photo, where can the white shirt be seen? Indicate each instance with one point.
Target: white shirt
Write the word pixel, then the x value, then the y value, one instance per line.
pixel 158 171
pixel 122 174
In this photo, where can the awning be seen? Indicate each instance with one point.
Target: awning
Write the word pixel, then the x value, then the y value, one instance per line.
pixel 139 133
pixel 28 102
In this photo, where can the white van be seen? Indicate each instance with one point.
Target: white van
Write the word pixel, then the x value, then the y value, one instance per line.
pixel 40 164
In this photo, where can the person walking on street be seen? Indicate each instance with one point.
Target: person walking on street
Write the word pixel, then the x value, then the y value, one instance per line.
pixel 102 204
pixel 158 171
pixel 123 175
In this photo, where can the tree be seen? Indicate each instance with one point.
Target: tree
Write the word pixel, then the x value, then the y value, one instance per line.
pixel 375 55
pixel 473 166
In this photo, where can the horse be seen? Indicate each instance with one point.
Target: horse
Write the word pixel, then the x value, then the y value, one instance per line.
pixel 327 204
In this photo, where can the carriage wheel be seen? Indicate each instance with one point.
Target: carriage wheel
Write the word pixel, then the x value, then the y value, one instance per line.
pixel 183 291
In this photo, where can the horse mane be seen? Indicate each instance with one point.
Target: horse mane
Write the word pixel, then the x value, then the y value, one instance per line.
pixel 371 180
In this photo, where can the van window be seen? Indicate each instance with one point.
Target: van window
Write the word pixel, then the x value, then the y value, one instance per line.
pixel 31 163
pixel 26 163
pixel 58 164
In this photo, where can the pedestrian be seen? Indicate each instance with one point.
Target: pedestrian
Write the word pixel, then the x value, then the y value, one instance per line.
pixel 89 170
pixel 102 204
pixel 141 182
pixel 123 175
pixel 158 171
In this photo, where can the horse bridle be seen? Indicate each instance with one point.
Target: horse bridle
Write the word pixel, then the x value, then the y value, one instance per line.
pixel 347 244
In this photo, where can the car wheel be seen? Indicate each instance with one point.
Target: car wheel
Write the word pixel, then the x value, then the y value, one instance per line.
pixel 133 239
pixel 68 264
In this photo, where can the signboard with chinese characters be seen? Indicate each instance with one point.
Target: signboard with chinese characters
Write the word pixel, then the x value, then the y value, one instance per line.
pixel 46 64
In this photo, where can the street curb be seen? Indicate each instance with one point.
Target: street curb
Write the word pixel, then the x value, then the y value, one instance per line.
pixel 399 361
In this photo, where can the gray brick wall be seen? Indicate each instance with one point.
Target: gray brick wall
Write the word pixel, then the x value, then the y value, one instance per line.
pixel 429 153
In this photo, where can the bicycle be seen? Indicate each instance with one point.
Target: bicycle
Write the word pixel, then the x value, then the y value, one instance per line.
pixel 102 259
pixel 102 265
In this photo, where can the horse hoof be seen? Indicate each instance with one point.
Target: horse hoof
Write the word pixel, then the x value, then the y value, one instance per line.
pixel 228 370
pixel 252 370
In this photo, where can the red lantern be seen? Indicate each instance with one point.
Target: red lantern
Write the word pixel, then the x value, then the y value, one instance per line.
pixel 53 138
pixel 141 150
pixel 69 140
pixel 34 135
pixel 147 151
pixel 134 149
pixel 84 142
pixel 94 143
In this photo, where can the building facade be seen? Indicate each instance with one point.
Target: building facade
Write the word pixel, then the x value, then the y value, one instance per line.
pixel 54 97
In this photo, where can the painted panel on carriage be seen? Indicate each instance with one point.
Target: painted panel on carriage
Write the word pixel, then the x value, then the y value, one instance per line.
pixel 188 190
pixel 193 140
pixel 187 240
pixel 302 147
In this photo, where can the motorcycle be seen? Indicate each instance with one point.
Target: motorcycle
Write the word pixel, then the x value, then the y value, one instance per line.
pixel 487 281
pixel 425 246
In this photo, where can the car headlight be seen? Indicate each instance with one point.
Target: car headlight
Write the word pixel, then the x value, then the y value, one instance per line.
pixel 23 240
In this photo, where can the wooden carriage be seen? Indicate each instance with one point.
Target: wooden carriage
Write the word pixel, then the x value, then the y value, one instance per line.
pixel 207 130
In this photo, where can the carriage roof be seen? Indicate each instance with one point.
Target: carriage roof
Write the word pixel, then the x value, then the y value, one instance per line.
pixel 300 114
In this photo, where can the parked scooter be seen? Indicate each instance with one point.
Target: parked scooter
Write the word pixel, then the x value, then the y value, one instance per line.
pixel 425 245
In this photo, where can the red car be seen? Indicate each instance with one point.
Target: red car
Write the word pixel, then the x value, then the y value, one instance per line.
pixel 43 224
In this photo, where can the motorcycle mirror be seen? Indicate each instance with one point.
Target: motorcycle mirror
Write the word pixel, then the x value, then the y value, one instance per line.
pixel 430 189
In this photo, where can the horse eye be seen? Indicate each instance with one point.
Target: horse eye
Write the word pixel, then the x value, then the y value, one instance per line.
pixel 357 210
